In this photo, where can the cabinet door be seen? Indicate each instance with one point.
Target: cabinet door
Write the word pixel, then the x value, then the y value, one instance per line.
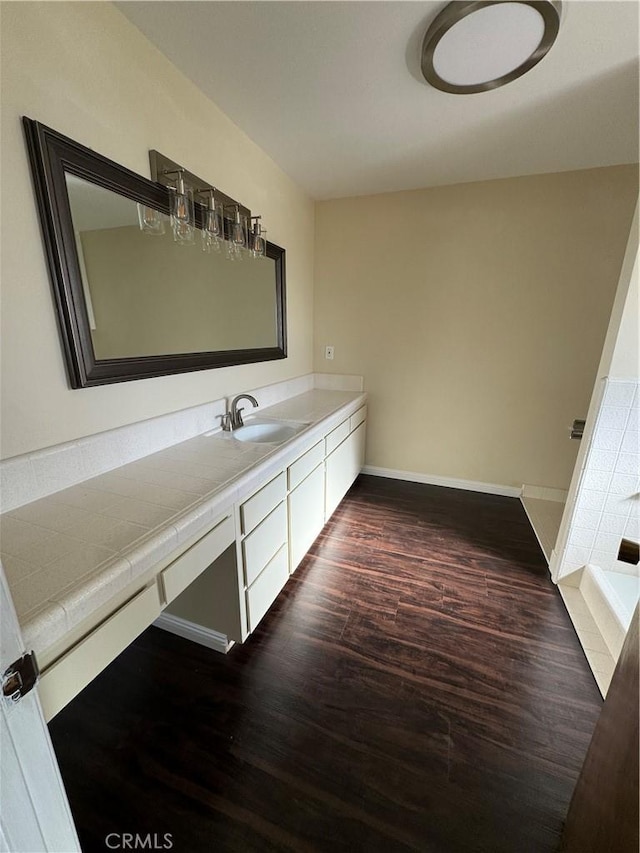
pixel 342 468
pixel 306 515
pixel 359 437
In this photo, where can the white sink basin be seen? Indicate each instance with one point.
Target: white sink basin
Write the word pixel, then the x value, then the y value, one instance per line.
pixel 265 431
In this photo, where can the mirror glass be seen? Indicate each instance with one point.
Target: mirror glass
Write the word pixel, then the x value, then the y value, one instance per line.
pixel 148 296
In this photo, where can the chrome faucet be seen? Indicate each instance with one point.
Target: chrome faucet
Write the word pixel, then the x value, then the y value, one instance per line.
pixel 235 413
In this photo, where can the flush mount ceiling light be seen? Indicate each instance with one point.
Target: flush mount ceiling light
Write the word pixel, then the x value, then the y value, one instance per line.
pixel 483 44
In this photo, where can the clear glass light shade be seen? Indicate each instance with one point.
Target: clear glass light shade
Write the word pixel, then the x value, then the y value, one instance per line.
pixel 182 214
pixel 235 252
pixel 151 220
pixel 257 245
pixel 212 227
pixel 238 238
pixel 239 230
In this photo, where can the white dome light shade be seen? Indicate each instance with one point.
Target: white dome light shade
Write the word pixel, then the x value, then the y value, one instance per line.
pixel 475 46
pixel 490 43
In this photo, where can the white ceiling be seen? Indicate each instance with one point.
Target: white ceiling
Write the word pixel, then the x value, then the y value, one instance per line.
pixel 333 91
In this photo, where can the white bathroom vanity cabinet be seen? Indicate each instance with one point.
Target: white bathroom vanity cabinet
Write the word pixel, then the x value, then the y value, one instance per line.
pixel 225 559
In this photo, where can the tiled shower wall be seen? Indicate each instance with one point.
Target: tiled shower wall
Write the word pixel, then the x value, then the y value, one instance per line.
pixel 608 501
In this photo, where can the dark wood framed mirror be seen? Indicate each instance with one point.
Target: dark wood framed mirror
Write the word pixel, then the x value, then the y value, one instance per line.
pixel 131 302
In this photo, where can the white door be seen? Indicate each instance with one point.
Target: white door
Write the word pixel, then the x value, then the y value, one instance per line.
pixel 35 816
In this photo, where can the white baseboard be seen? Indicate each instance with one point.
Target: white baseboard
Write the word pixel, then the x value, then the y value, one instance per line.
pixel 544 493
pixel 449 482
pixel 195 633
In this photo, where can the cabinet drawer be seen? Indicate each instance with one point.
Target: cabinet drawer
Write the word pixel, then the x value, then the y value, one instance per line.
pixel 262 594
pixel 65 678
pixel 336 436
pixel 305 464
pixel 178 576
pixel 260 545
pixel 357 418
pixel 260 505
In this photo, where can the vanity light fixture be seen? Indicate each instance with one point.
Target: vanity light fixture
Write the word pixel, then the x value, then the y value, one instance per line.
pixel 476 45
pixel 219 217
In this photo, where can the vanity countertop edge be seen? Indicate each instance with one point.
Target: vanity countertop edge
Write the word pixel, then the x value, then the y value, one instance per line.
pixel 46 614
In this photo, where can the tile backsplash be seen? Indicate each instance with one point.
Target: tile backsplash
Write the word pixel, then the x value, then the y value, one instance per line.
pixel 27 478
pixel 608 501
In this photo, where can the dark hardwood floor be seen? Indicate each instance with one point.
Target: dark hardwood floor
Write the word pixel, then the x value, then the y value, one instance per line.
pixel 417 686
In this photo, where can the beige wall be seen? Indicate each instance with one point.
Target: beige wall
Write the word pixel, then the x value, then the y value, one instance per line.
pixel 84 70
pixel 477 315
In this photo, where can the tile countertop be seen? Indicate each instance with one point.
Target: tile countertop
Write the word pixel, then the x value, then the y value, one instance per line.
pixel 67 554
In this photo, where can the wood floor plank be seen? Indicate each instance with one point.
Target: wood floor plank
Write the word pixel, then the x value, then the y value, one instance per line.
pixel 416 686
